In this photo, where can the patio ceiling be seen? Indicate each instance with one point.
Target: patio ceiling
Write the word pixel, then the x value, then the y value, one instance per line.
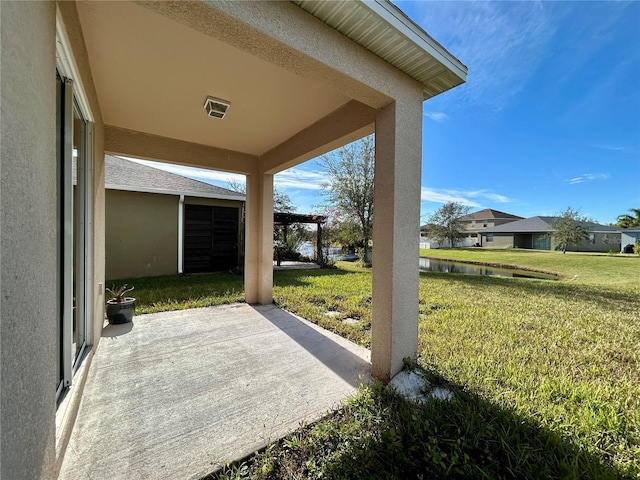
pixel 298 86
pixel 153 74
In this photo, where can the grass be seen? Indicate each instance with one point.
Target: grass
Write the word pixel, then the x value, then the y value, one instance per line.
pixel 176 292
pixel 546 374
pixel 604 270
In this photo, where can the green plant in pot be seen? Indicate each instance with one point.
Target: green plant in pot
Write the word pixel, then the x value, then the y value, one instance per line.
pixel 120 309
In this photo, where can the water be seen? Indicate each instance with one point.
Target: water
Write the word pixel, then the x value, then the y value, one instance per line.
pixel 445 266
pixel 335 253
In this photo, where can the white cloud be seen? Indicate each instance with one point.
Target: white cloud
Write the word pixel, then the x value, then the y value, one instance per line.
pixel 614 148
pixel 471 198
pixel 192 172
pixel 496 197
pixel 436 116
pixel 587 177
pixel 502 44
pixel 300 179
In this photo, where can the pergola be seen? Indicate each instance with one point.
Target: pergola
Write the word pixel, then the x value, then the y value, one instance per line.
pixel 285 219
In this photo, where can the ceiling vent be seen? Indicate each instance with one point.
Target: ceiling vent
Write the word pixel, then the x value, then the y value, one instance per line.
pixel 215 107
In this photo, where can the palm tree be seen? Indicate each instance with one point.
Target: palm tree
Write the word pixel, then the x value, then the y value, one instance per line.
pixel 626 221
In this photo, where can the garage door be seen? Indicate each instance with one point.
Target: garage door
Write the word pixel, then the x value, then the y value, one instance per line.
pixel 210 238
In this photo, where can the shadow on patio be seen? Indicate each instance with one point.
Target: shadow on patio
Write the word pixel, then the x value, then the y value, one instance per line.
pixel 178 394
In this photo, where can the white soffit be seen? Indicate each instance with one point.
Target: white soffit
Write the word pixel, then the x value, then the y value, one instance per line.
pixel 383 29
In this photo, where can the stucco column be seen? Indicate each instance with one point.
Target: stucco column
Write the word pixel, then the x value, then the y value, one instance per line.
pixel 258 257
pixel 394 325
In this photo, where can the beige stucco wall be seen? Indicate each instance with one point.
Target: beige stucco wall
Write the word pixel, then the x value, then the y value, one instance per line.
pixel 141 231
pixel 28 241
pixel 394 323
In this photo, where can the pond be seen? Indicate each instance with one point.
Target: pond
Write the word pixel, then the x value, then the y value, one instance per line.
pixel 446 266
pixel 307 249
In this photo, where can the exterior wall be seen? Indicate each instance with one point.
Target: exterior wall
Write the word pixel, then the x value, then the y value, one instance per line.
pixel 141 232
pixel 499 241
pixel 28 241
pixel 479 226
pixel 603 243
pixel 629 238
pixel 66 413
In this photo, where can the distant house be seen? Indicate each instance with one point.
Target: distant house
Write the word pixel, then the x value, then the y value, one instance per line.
pixel 474 224
pixel 160 223
pixel 537 233
pixel 629 236
pixel 478 222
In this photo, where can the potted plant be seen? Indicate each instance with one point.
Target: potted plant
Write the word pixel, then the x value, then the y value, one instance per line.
pixel 120 309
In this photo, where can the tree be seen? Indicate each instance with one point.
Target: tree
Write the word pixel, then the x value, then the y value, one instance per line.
pixel 626 220
pixel 281 201
pixel 445 224
pixel 568 229
pixel 349 188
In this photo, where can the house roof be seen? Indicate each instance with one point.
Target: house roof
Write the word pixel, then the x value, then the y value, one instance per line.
pixel 386 31
pixel 543 225
pixel 123 174
pixel 490 214
pixel 631 229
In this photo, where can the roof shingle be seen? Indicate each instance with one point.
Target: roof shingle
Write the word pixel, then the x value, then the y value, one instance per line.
pixel 489 214
pixel 121 173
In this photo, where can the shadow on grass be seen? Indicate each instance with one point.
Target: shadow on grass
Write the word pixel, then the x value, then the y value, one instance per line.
pixel 613 299
pixel 380 434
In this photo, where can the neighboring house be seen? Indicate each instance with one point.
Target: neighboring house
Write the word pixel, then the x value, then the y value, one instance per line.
pixel 252 88
pixel 537 233
pixel 474 223
pixel 629 236
pixel 477 222
pixel 160 223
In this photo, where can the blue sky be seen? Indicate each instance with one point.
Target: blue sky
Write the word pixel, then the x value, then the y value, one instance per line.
pixel 549 116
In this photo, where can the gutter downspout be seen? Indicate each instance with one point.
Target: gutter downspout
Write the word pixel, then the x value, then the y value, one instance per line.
pixel 180 234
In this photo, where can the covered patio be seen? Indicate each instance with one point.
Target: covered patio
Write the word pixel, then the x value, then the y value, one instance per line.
pixel 179 394
pixel 283 99
pixel 252 88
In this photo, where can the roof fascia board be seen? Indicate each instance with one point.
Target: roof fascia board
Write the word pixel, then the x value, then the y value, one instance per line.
pixel 129 188
pixel 409 29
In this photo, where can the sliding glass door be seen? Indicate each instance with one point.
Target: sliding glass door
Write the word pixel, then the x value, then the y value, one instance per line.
pixel 74 201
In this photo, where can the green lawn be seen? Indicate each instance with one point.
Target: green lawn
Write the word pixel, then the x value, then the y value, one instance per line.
pixel 546 374
pixel 603 270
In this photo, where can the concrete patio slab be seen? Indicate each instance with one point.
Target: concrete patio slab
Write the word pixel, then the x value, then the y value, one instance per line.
pixel 179 394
